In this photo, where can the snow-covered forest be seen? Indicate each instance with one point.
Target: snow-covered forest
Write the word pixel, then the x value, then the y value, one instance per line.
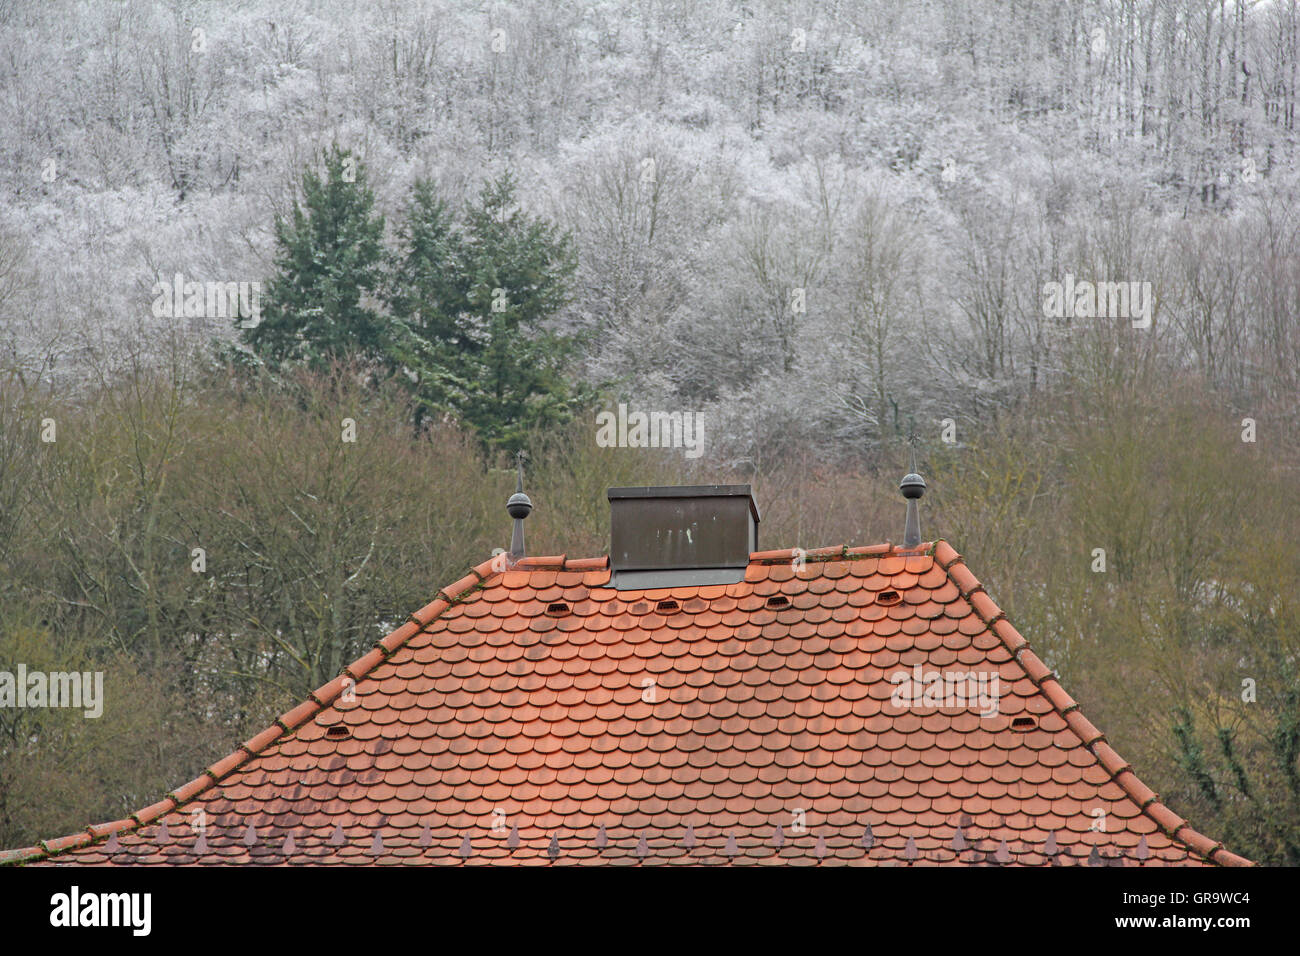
pixel 855 201
pixel 1056 241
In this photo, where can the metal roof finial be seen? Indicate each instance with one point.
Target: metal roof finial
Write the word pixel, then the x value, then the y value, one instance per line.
pixel 913 487
pixel 519 507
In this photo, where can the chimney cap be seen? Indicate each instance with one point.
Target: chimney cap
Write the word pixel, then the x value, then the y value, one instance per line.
pixel 687 491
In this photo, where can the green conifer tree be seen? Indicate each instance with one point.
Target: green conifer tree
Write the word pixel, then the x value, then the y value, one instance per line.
pixel 321 303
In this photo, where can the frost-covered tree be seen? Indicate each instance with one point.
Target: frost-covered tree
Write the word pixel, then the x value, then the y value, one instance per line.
pixel 476 302
pixel 321 304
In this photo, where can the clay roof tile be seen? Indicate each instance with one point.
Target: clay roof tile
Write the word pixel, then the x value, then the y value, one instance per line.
pixel 616 730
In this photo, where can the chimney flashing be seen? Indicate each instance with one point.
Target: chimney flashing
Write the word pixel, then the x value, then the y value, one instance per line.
pixel 676 578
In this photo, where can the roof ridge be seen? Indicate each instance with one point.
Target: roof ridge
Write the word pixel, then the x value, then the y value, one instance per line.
pixel 317 701
pixel 832 553
pixel 842 552
pixel 1094 741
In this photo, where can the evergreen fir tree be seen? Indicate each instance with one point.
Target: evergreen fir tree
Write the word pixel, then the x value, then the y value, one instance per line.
pixel 329 268
pixel 475 308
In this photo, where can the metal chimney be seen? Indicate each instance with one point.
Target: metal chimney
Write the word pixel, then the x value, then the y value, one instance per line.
pixel 681 535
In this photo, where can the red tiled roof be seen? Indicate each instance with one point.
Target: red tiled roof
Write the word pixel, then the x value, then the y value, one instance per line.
pixel 538 715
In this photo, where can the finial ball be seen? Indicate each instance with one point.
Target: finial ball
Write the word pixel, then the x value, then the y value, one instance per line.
pixel 519 505
pixel 912 486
